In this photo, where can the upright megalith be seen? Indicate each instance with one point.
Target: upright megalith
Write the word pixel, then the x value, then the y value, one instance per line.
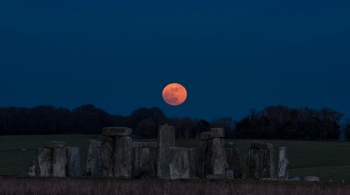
pixel 123 157
pixel 219 163
pixel 59 162
pixel 73 168
pixel 202 154
pixel 283 163
pixel 107 147
pixel 234 160
pixel 142 163
pixel 193 157
pixel 43 162
pixel 93 163
pixel 166 139
pixel 268 165
pixel 31 168
pixel 179 163
pixel 254 161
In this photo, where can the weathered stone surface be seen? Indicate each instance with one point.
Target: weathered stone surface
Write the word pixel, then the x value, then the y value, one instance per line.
pixel 107 146
pixel 144 144
pixel 193 158
pixel 267 146
pixel 137 144
pixel 219 156
pixel 142 163
pixel 154 169
pixel 311 178
pixel 254 163
pixel 283 163
pixel 234 162
pixel 43 162
pixel 59 162
pixel 31 168
pixel 230 174
pixel 123 156
pixel 228 144
pixel 179 163
pixel 55 144
pixel 116 131
pixel 202 158
pixel 149 145
pixel 166 139
pixel 268 162
pixel 209 164
pixel 217 133
pixel 295 178
pixel 256 145
pixel 73 168
pixel 204 135
pixel 93 165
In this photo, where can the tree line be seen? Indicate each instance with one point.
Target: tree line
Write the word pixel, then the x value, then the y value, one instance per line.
pixel 274 122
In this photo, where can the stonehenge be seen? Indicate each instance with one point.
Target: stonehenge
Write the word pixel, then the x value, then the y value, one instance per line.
pixel 117 156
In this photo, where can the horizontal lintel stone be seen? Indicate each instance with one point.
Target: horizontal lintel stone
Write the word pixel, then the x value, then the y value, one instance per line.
pixel 217 132
pixel 144 144
pixel 255 145
pixel 55 144
pixel 116 131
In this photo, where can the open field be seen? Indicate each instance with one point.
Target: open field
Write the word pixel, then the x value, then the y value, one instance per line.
pixel 327 160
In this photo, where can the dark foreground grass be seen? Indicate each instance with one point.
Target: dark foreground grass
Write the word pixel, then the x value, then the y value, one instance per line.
pixel 105 186
pixel 325 159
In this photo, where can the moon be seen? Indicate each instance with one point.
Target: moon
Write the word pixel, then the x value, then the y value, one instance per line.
pixel 174 94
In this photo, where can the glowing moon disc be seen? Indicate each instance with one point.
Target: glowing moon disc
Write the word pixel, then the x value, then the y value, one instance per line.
pixel 174 94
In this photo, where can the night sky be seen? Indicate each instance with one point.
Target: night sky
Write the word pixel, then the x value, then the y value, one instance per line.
pixel 231 56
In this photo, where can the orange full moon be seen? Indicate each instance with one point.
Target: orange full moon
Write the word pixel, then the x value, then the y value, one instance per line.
pixel 174 94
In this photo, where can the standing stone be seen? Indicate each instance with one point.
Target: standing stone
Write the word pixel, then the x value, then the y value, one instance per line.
pixel 142 163
pixel 116 131
pixel 283 163
pixel 202 154
pixel 59 162
pixel 123 156
pixel 219 157
pixel 107 145
pixel 145 162
pixel 43 162
pixel 234 162
pixel 166 139
pixel 31 169
pixel 179 163
pixel 253 163
pixel 193 156
pixel 55 144
pixel 268 163
pixel 73 167
pixel 93 165
pixel 209 170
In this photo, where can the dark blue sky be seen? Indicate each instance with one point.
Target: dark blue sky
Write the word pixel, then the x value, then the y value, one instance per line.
pixel 231 56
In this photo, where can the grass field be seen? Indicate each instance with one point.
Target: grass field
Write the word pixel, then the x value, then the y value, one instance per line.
pixel 327 160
